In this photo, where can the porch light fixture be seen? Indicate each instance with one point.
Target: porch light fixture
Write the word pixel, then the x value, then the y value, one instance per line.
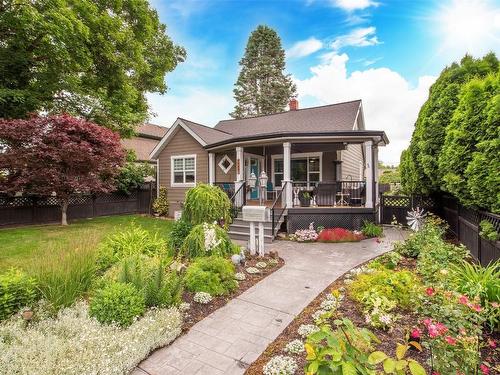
pixel 225 164
pixel 252 180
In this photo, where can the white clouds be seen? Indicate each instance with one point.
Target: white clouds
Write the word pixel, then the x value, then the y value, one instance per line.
pixel 352 5
pixel 390 103
pixel 304 48
pixel 199 105
pixel 361 37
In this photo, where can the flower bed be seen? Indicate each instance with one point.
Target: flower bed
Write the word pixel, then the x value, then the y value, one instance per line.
pixel 417 314
pixel 321 234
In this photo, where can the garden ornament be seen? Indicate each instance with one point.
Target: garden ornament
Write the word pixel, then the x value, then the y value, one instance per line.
pixel 416 218
pixel 238 259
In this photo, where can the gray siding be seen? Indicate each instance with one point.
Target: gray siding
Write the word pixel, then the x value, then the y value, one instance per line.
pixel 230 176
pixel 352 162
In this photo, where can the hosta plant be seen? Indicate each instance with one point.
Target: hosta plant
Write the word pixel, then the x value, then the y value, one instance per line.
pixel 400 365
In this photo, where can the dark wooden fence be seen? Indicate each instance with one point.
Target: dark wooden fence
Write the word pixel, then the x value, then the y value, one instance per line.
pixel 463 222
pixel 16 211
pixel 464 225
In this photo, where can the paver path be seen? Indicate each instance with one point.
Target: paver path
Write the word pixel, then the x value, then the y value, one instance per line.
pixel 234 336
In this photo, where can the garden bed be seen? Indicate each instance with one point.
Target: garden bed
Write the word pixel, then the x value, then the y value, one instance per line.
pixel 352 310
pixel 198 311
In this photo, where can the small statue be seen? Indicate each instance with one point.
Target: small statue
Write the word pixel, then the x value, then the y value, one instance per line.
pixel 239 259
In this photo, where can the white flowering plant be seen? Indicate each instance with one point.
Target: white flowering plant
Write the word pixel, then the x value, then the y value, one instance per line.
pixel 206 239
pixel 295 347
pixel 280 365
pixel 305 235
pixel 202 297
pixel 73 343
pixel 377 309
pixel 307 329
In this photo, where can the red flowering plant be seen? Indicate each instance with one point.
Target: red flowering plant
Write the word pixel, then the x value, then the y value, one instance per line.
pixel 451 330
pixel 339 235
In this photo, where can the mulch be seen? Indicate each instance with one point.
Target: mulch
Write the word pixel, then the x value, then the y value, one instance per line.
pixel 198 311
pixel 352 310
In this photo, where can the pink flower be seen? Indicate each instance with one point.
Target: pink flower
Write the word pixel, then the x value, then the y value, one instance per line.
pixel 484 369
pixel 476 307
pixel 427 321
pixel 463 300
pixel 495 304
pixel 450 340
pixel 492 343
pixel 415 333
pixel 430 291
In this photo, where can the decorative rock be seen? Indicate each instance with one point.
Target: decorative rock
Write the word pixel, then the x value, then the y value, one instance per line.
pixel 240 276
pixel 252 270
pixel 261 265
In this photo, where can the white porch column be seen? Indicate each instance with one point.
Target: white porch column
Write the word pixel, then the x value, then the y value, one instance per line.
pixel 375 172
pixel 211 168
pixel 368 145
pixel 240 165
pixel 287 165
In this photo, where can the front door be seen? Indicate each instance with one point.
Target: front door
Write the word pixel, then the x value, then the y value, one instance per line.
pixel 255 169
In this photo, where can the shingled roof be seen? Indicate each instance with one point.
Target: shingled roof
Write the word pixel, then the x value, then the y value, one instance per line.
pixel 328 118
pixel 146 138
pixel 209 135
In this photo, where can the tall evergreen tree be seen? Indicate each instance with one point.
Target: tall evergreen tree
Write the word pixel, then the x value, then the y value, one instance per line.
pixel 262 87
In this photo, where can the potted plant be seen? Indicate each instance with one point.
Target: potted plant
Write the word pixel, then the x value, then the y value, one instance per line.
pixel 305 198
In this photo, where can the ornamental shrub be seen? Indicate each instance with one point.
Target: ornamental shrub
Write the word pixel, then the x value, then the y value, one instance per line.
pixel 431 234
pixel 160 205
pixel 132 241
pixel 439 255
pixel 149 275
pixel 17 290
pixel 206 204
pixel 178 233
pixel 339 235
pixel 488 231
pixel 117 303
pixel 213 275
pixel 204 240
pixel 370 229
pixel 400 286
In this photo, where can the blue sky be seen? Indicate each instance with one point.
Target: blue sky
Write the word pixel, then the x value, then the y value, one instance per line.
pixel 387 53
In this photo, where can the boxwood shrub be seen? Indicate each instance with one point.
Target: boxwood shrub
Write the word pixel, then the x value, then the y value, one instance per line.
pixel 213 275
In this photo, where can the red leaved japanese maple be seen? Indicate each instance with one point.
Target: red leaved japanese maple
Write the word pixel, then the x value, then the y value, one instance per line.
pixel 58 154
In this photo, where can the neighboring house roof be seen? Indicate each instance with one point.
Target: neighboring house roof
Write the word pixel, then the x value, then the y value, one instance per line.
pixel 146 138
pixel 335 119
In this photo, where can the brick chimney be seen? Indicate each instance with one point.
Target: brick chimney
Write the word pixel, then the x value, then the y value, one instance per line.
pixel 293 105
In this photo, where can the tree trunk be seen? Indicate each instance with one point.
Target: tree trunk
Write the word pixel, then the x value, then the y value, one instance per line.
pixel 64 209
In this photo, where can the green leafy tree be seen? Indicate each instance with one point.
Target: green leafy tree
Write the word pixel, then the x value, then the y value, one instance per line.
pixel 133 174
pixel 475 120
pixel 420 171
pixel 91 58
pixel 262 87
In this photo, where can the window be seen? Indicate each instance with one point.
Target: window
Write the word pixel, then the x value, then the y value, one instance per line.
pixel 183 170
pixel 304 170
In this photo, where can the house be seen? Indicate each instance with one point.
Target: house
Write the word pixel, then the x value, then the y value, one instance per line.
pixel 321 165
pixel 146 139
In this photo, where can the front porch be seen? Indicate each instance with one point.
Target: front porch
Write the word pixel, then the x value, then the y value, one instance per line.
pixel 331 182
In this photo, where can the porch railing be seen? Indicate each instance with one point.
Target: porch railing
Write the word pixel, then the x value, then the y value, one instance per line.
pixel 337 193
pixel 239 199
pixel 276 220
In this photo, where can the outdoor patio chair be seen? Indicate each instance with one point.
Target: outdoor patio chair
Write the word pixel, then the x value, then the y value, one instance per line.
pixel 325 193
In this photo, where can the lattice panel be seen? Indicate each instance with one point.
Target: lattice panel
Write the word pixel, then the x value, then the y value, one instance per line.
pixel 47 201
pixel 352 221
pixel 16 202
pixel 80 199
pixel 395 201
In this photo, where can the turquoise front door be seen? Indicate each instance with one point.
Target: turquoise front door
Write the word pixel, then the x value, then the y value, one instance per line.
pixel 254 168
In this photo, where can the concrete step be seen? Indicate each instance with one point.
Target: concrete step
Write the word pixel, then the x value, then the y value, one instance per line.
pixel 244 236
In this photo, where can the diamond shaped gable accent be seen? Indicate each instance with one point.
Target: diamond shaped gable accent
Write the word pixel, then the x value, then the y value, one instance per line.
pixel 225 164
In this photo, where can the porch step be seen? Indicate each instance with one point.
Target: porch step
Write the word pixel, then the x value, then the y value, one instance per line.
pixel 240 230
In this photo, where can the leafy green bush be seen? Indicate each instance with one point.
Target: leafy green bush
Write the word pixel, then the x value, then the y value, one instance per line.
pixel 117 303
pixel 204 240
pixel 134 240
pixel 437 256
pixel 370 229
pixel 206 204
pixel 480 282
pixel 431 233
pixel 159 287
pixel 213 275
pixel 389 260
pixel 179 232
pixel 17 290
pixel 160 205
pixel 133 174
pixel 487 231
pixel 399 286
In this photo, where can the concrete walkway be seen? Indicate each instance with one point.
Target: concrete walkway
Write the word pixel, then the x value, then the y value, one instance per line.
pixel 234 336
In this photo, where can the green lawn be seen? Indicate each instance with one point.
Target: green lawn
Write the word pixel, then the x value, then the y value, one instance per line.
pixel 21 247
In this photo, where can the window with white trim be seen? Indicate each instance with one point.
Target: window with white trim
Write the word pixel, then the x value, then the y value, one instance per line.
pixel 183 170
